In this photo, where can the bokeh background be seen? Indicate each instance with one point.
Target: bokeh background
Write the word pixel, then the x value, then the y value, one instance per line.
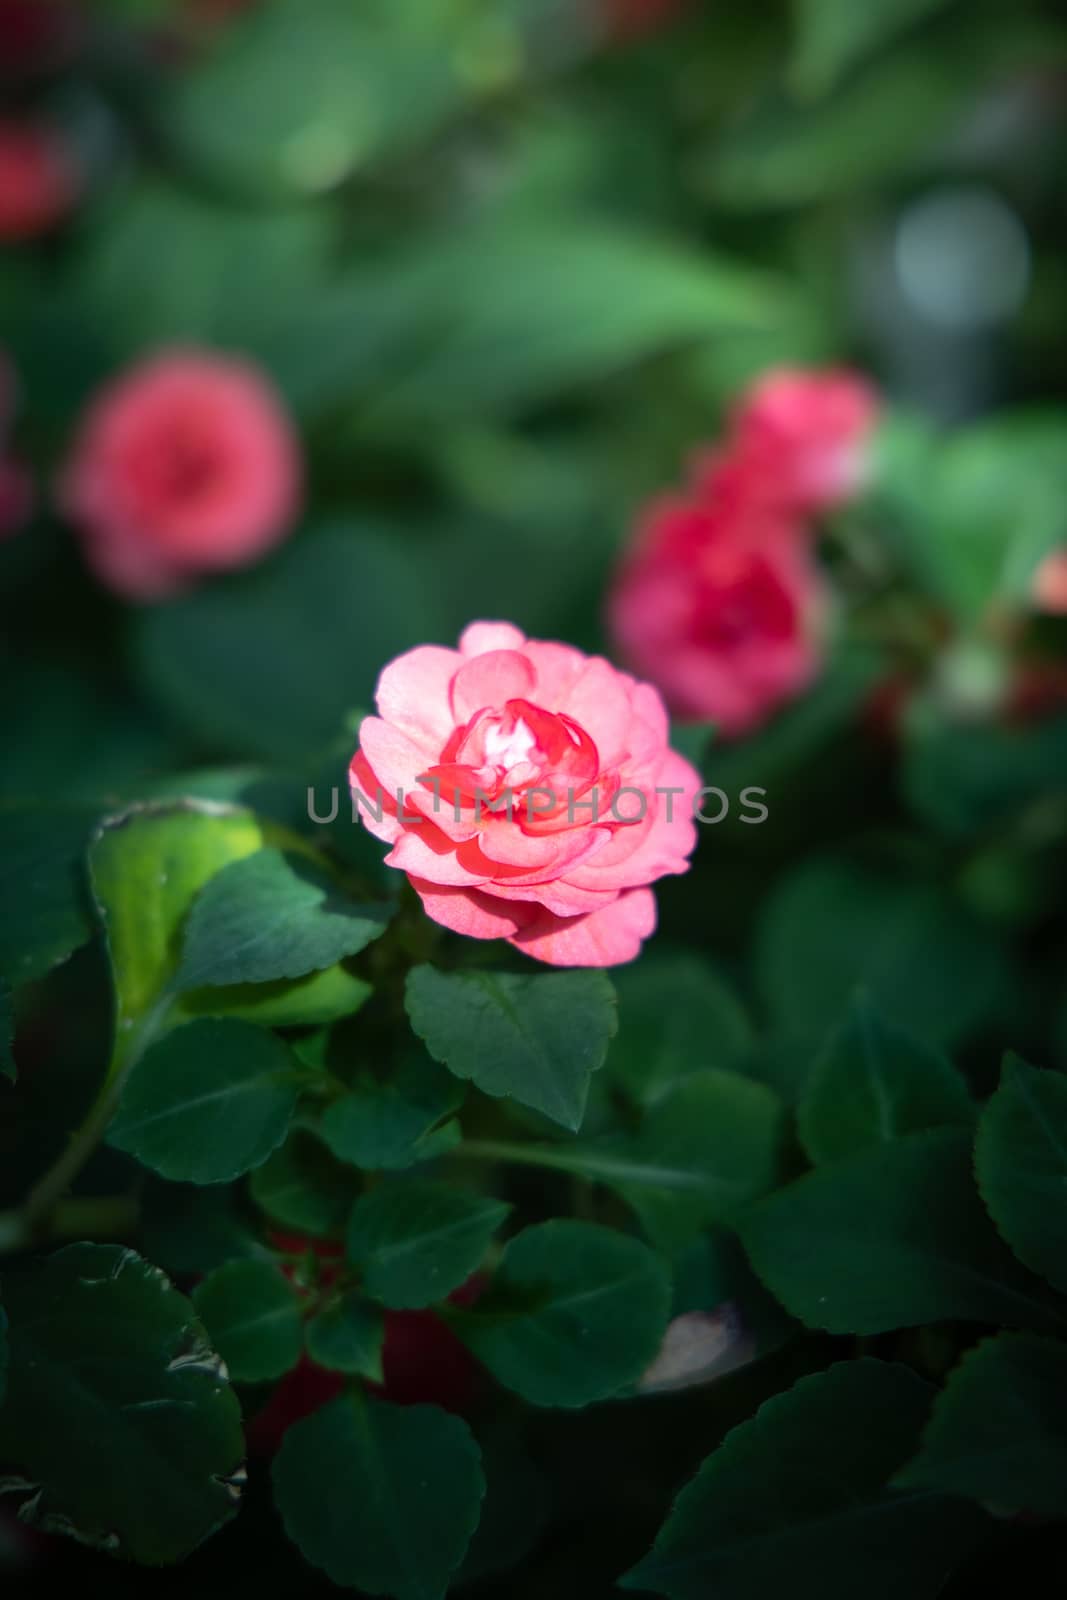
pixel 508 263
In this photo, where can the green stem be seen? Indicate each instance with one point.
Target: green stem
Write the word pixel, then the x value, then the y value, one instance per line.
pixel 523 1155
pixel 19 1228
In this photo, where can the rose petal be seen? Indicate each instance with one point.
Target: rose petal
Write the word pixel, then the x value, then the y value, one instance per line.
pixel 603 938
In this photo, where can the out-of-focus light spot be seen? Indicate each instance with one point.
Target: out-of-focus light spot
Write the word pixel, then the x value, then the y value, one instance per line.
pixel 491 58
pixel 963 258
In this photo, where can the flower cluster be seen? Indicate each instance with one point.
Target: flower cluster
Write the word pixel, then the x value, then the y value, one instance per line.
pixel 719 600
pixel 494 771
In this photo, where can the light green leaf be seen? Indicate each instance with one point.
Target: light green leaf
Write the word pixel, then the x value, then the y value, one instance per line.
pixel 574 1314
pixel 347 1334
pixel 538 1037
pixel 253 1318
pixel 417 1240
pixel 117 1421
pixel 272 916
pixel 998 1433
pixel 1021 1162
pixel 384 1498
pixel 874 1082
pixel 795 1501
pixel 892 1237
pixel 208 1102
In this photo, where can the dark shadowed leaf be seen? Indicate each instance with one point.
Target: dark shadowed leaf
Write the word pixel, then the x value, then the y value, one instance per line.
pixel 538 1037
pixel 416 1240
pixel 384 1124
pixel 7 1033
pixel 1021 1161
pixel 118 1421
pixel 575 1313
pixel 46 908
pixel 796 1501
pixel 384 1498
pixel 892 1237
pixel 873 1082
pixel 677 1015
pixel 998 1433
pixel 302 1186
pixel 253 1319
pixel 208 1102
pixel 347 1336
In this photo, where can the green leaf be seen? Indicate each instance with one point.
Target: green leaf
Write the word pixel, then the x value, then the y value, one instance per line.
pixel 147 866
pixel 833 35
pixel 795 1501
pixel 417 1240
pixel 872 1083
pixel 46 909
pixel 7 1033
pixel 347 1336
pixel 676 1017
pixel 253 1319
pixel 208 1102
pixel 117 1419
pixel 891 1237
pixel 299 99
pixel 302 1186
pixel 272 916
pixel 388 1123
pixel 701 1153
pixel 318 998
pixel 1021 1161
pixel 269 663
pixel 607 296
pixel 189 1228
pixel 384 1498
pixel 575 1314
pixel 966 778
pixel 537 1037
pixel 835 925
pixel 998 1433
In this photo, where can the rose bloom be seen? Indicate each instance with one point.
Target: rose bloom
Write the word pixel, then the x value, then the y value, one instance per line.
pixel 723 607
pixel 1050 583
pixel 802 438
pixel 184 465
pixel 575 744
pixel 38 184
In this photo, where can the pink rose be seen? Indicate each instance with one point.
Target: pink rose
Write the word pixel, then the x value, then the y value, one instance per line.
pixel 1050 583
pixel 184 465
pixel 38 184
pixel 723 607
pixel 576 750
pixel 802 438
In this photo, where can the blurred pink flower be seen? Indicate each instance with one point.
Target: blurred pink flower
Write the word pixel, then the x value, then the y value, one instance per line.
pixel 36 35
pixel 1050 583
pixel 802 437
pixel 38 183
pixel 569 750
pixel 723 608
pixel 186 464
